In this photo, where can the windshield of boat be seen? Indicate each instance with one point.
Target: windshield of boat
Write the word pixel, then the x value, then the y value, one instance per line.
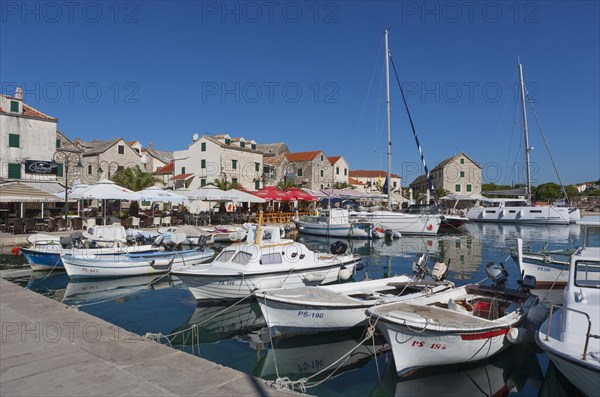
pixel 242 258
pixel 225 256
pixel 588 274
pixel 271 259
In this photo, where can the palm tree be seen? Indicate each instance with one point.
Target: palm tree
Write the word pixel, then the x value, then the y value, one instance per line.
pixel 224 184
pixel 286 184
pixel 133 178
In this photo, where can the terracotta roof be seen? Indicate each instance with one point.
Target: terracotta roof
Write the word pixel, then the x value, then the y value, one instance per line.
pixel 370 174
pixel 167 169
pixel 30 112
pixel 131 143
pixel 303 156
pixel 353 181
pixel 182 176
pixel 333 159
pixel 274 160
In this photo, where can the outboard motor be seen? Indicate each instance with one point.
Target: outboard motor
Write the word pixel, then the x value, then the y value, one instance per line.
pixel 497 273
pixel 389 234
pixel 64 241
pixel 440 271
pixel 202 242
pixel 140 239
pixel 338 248
pixel 419 265
pixel 527 282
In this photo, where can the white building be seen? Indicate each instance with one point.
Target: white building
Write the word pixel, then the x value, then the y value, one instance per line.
pixel 26 136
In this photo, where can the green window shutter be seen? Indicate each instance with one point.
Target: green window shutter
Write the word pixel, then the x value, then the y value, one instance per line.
pixel 183 170
pixel 462 174
pixel 234 164
pixel 203 147
pixel 256 167
pixel 14 171
pixel 462 161
pixel 254 146
pixel 457 188
pixel 321 173
pixel 203 164
pixel 299 171
pixel 202 182
pixel 242 144
pixel 58 143
pixel 468 188
pixel 256 185
pixel 337 170
pixel 227 141
pixel 59 170
pixel 14 106
pixel 234 181
pixel 345 171
pixel 14 140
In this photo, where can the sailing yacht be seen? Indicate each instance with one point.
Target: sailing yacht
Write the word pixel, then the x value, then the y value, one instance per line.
pixel 520 210
pixel 405 224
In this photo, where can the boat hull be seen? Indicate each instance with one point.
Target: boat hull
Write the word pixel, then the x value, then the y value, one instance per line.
pixel 135 265
pixel 405 224
pixel 521 215
pixel 236 286
pixel 346 231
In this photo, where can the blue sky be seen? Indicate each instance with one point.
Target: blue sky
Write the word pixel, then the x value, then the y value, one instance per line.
pixel 311 74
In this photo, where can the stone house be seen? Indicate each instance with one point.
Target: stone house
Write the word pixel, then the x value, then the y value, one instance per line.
pixel 213 157
pixel 458 174
pixel 340 169
pixel 311 170
pixel 153 160
pixel 26 135
pixel 103 159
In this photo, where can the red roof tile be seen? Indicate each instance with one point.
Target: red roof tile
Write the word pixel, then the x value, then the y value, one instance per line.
pixel 303 156
pixel 353 181
pixel 370 174
pixel 182 176
pixel 333 159
pixel 31 112
pixel 167 169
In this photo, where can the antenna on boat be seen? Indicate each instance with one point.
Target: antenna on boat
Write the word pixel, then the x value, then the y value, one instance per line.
pixel 387 101
pixel 527 148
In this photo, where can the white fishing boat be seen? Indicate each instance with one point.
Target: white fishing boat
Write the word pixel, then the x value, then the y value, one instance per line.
pixel 571 334
pixel 343 306
pixel 521 210
pixel 121 265
pixel 243 268
pixel 551 267
pixel 44 251
pixel 335 222
pixel 405 224
pixel 459 325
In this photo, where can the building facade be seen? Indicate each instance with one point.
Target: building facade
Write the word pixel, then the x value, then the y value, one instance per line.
pixel 458 174
pixel 103 159
pixel 373 180
pixel 311 170
pixel 340 169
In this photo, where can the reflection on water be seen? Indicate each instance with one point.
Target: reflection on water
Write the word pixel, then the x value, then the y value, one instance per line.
pixel 512 371
pixel 234 336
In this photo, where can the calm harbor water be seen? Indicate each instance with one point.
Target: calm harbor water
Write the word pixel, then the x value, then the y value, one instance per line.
pixel 235 336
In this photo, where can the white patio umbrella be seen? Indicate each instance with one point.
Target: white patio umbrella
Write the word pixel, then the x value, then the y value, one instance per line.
pixel 155 193
pixel 106 190
pixel 211 194
pixel 243 197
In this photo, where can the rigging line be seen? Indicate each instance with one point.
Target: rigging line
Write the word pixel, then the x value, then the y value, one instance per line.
pixel 412 125
pixel 504 111
pixel 537 120
pixel 362 113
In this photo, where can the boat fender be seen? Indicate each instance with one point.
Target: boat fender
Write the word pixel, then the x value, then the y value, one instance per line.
pixel 460 307
pixel 269 284
pixel 16 250
pixel 519 335
pixel 338 248
pixel 344 273
pixel 160 263
pixel 314 277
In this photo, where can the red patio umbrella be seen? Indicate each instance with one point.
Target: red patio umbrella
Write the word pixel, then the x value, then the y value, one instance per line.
pixel 271 193
pixel 298 194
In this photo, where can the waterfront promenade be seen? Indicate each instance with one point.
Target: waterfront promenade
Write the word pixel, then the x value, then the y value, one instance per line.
pixel 49 349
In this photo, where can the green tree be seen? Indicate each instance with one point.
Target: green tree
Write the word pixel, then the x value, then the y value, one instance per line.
pixel 440 192
pixel 547 192
pixel 572 191
pixel 595 192
pixel 135 179
pixel 224 184
pixel 342 185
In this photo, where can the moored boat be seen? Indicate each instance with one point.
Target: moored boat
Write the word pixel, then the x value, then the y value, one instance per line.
pixel 343 306
pixel 243 268
pixel 335 222
pixel 571 334
pixel 135 264
pixel 459 325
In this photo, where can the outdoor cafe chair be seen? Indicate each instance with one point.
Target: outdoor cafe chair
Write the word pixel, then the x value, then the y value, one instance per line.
pixel 135 222
pixel 156 221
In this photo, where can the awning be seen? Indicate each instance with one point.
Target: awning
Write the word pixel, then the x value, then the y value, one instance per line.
pixel 48 187
pixel 17 192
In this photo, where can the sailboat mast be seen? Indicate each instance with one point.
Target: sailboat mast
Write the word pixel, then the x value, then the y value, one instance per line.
pixel 527 149
pixel 389 140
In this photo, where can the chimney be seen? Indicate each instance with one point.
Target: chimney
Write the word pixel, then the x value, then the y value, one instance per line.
pixel 151 146
pixel 19 93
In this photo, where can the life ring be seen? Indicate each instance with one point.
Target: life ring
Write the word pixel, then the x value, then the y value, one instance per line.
pixel 229 207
